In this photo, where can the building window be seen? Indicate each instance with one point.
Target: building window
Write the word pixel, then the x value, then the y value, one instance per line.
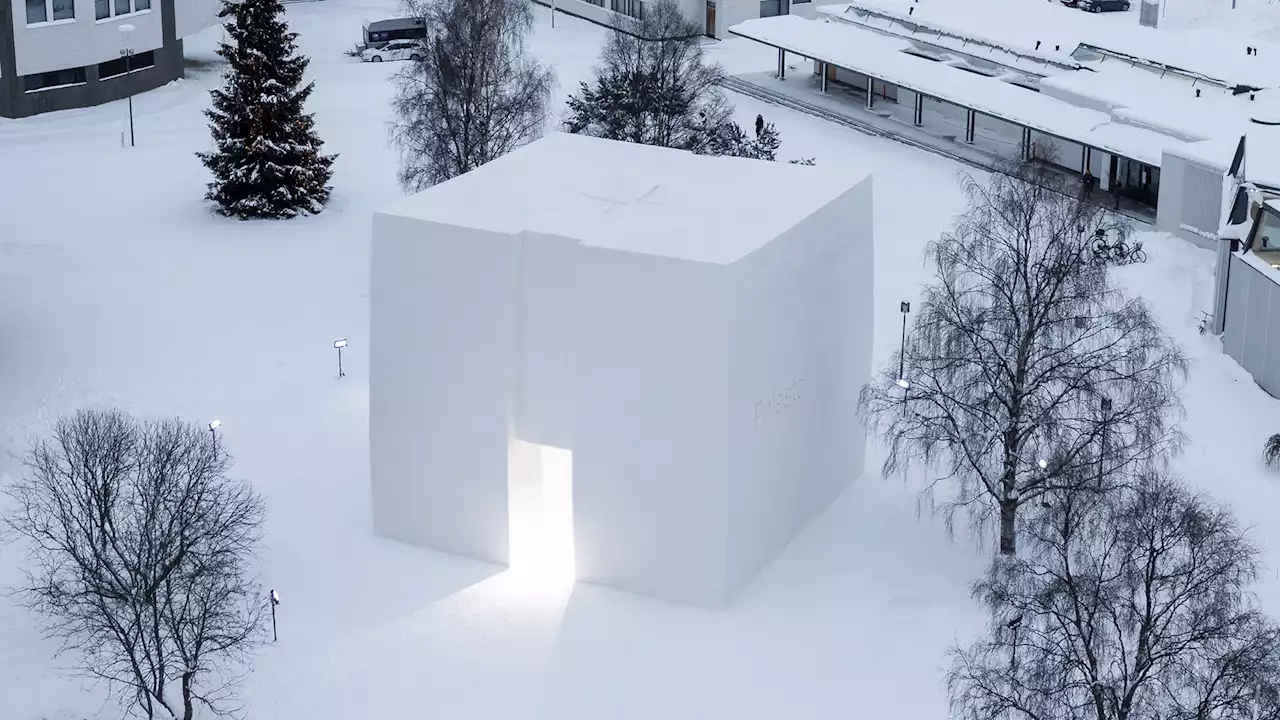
pixel 1267 232
pixel 57 78
pixel 103 9
pixel 41 11
pixel 118 67
pixel 631 8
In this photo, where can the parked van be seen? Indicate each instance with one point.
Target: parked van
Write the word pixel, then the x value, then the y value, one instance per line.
pixel 377 34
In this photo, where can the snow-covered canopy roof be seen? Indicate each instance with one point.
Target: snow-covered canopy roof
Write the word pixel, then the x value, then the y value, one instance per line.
pixel 1006 24
pixel 860 50
pixel 1031 62
pixel 1214 54
pixel 1018 25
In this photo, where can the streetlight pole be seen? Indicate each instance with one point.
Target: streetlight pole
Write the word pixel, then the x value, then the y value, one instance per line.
pixel 275 600
pixel 905 307
pixel 1106 414
pixel 125 31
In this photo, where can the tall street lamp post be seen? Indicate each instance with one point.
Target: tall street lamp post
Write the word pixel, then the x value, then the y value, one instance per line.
pixel 126 31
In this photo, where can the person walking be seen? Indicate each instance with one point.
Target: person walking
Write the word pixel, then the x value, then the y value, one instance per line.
pixel 759 125
pixel 1087 182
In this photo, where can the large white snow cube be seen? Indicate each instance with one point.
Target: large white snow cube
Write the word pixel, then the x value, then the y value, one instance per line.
pixel 694 329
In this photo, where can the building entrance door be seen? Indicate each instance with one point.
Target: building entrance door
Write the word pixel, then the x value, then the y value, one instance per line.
pixel 711 19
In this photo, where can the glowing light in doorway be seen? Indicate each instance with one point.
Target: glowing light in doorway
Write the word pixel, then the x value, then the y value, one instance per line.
pixel 542 553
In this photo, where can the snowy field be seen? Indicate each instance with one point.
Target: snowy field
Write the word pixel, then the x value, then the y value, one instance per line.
pixel 118 287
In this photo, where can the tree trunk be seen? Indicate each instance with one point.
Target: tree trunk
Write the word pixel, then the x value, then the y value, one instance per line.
pixel 187 710
pixel 1008 534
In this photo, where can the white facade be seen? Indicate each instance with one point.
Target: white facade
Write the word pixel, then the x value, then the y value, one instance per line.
pixel 695 330
pixel 64 54
pixel 86 40
pixel 713 16
pixel 603 12
pixel 60 44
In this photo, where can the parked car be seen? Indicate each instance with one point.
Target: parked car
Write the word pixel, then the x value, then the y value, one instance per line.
pixel 398 50
pixel 1103 5
pixel 1071 3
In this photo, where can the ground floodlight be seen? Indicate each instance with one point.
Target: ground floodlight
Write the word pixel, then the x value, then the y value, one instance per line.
pixel 338 345
pixel 1042 463
pixel 1106 404
pixel 904 383
pixel 215 425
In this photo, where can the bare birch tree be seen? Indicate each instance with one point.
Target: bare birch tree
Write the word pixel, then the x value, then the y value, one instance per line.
pixel 475 96
pixel 1025 370
pixel 1127 605
pixel 138 546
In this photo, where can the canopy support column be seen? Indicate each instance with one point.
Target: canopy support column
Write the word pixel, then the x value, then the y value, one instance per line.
pixel 782 64
pixel 970 126
pixel 918 117
pixel 1026 144
pixel 826 69
pixel 871 92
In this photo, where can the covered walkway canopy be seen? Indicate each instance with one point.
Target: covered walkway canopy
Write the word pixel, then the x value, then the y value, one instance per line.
pixel 882 58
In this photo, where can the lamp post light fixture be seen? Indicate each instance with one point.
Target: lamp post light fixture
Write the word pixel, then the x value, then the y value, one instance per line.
pixel 213 430
pixel 275 600
pixel 338 345
pixel 126 31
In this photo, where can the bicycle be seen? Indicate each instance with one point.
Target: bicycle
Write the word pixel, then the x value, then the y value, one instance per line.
pixel 1118 252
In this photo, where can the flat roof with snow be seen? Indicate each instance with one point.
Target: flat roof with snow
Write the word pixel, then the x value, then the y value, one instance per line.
pixel 635 198
pixel 1058 31
pixel 860 50
pixel 1214 54
pixel 1008 24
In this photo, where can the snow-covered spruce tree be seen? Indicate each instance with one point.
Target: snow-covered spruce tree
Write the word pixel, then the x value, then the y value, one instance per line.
pixel 266 162
pixel 1025 371
pixel 653 86
pixel 474 97
pixel 1134 605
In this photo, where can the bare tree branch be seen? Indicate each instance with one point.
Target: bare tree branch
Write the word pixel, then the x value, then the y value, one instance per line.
pixel 1026 371
pixel 1123 605
pixel 474 96
pixel 138 546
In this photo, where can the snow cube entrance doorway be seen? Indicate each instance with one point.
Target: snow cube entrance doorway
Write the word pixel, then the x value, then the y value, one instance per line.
pixel 693 329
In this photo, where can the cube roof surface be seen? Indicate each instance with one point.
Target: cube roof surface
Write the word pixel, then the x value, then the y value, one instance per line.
pixel 633 198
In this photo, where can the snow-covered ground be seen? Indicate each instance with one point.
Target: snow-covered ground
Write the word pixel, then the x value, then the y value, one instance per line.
pixel 118 287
